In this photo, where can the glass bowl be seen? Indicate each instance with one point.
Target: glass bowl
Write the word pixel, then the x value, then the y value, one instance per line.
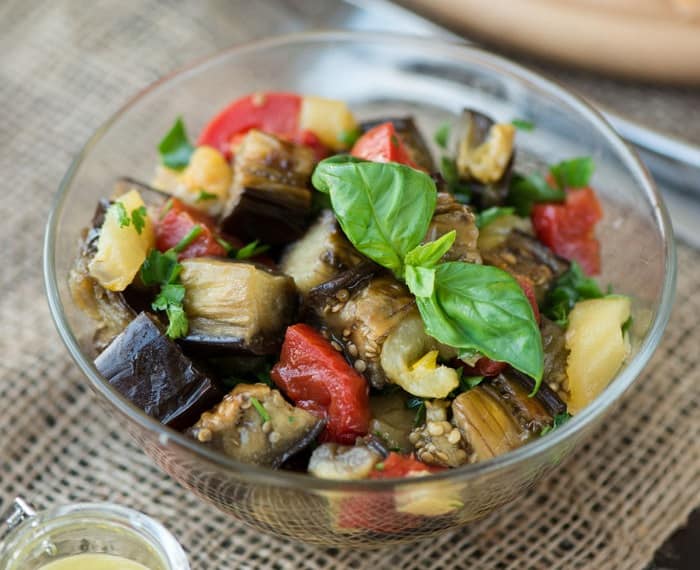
pixel 378 75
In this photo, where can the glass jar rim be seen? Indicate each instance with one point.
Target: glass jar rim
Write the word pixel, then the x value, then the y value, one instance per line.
pixel 468 55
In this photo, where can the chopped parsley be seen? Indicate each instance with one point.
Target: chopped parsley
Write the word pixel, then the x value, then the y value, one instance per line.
pixel 138 218
pixel 571 287
pixel 559 420
pixel 442 135
pixel 204 196
pixel 121 213
pixel 523 125
pixel 175 148
pixel 264 415
pixel 186 241
pixel 418 404
pixel 379 466
pixel 163 269
pixel 249 250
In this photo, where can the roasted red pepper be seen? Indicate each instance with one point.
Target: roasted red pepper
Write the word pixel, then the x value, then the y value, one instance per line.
pixel 274 113
pixel 176 220
pixel 397 465
pixel 569 228
pixel 317 378
pixel 382 144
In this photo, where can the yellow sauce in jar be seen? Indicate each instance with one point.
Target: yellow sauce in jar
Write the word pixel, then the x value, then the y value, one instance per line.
pixel 93 562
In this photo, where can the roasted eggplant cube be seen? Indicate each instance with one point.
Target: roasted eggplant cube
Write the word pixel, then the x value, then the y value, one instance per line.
pixel 270 198
pixel 320 255
pixel 522 254
pixel 451 215
pixel 151 371
pixel 236 307
pixel 498 416
pixel 255 424
pixel 485 148
pixel 411 137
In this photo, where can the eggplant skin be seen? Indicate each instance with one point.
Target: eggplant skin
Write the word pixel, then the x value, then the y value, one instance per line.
pixel 236 427
pixel 151 371
pixel 522 254
pixel 411 137
pixel 270 198
pixel 236 307
pixel 451 215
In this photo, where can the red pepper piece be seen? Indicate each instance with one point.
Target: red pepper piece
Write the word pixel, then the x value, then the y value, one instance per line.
pixel 274 113
pixel 175 222
pixel 317 378
pixel 397 465
pixel 382 144
pixel 569 228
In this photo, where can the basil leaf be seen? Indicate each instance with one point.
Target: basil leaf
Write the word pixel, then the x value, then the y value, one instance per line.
pixel 175 148
pixel 383 208
pixel 528 190
pixel 483 308
pixel 420 280
pixel 442 135
pixel 574 173
pixel 489 215
pixel 427 255
pixel 571 287
pixel 523 125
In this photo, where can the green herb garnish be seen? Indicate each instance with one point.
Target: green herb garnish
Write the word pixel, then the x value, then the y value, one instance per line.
pixel 574 173
pixel 484 218
pixel 138 218
pixel 528 190
pixel 249 250
pixel 418 404
pixel 627 325
pixel 264 415
pixel 384 210
pixel 163 269
pixel 523 125
pixel 379 466
pixel 349 137
pixel 186 241
pixel 204 196
pixel 442 135
pixel 559 420
pixel 160 268
pixel 571 287
pixel 175 148
pixel 121 213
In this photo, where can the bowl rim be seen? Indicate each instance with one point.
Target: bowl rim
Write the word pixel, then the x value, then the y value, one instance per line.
pixel 467 54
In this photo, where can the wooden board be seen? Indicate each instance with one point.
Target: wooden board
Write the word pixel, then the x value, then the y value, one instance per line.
pixel 650 39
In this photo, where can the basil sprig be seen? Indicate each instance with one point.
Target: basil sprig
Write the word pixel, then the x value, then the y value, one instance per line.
pixel 385 210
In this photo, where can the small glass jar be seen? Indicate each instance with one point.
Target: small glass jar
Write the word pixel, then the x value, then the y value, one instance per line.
pixel 29 541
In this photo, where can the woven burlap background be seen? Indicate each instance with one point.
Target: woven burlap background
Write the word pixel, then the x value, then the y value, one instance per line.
pixel 64 67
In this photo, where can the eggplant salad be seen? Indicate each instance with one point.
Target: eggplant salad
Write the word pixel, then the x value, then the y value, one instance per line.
pixel 303 291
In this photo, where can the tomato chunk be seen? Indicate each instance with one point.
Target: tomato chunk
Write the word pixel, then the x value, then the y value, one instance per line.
pixel 569 228
pixel 317 378
pixel 176 220
pixel 274 113
pixel 397 465
pixel 382 144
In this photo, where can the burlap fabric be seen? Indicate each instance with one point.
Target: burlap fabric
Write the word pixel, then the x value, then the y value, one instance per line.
pixel 64 67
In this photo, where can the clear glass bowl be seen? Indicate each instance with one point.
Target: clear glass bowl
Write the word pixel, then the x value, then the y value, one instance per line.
pixel 378 75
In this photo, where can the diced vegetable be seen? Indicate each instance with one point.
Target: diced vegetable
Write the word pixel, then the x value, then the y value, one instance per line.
pixel 203 185
pixel 151 371
pixel 340 462
pixel 597 347
pixel 321 254
pixel 255 424
pixel 569 228
pixel 176 221
pixel 121 247
pixel 411 138
pixel 438 442
pixel 270 199
pixel 397 465
pixel 392 420
pixel 382 144
pixel 451 215
pixel 274 113
pixel 317 378
pixel 486 149
pixel 236 306
pixel 328 119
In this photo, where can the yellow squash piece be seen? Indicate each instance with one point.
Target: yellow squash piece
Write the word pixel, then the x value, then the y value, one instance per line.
pixel 597 347
pixel 327 119
pixel 121 249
